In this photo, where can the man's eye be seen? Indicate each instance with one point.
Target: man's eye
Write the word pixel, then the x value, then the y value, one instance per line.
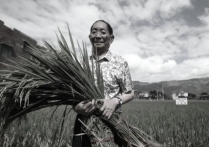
pixel 103 32
pixel 93 32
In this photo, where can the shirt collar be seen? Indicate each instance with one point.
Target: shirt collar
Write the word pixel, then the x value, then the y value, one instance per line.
pixel 107 56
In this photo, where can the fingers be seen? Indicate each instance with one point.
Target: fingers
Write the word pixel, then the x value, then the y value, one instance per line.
pixel 87 105
pixel 102 108
pixel 90 110
pixel 107 113
pixel 107 109
pixel 104 105
pixel 90 107
pixel 93 102
pixel 84 102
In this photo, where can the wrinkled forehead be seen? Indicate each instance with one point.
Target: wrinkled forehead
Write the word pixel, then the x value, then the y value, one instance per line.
pixel 100 25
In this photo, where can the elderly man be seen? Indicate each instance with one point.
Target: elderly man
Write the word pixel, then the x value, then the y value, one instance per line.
pixel 118 87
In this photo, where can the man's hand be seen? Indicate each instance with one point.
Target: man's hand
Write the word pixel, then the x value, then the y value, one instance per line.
pixel 108 107
pixel 86 107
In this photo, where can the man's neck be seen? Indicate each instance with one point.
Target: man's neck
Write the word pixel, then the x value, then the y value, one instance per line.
pixel 100 53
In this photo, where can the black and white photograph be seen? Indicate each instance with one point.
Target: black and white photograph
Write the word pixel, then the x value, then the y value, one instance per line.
pixel 114 73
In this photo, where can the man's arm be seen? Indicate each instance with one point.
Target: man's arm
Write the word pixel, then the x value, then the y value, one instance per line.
pixel 127 94
pixel 86 108
pixel 110 105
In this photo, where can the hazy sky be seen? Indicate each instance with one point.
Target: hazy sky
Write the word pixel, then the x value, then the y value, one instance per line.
pixel 161 39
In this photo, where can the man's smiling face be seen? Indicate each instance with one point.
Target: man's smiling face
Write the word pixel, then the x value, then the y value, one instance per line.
pixel 100 37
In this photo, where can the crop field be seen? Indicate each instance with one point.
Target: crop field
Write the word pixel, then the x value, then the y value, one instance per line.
pixel 171 125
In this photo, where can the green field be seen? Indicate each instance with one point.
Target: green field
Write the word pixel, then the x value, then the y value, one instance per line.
pixel 171 125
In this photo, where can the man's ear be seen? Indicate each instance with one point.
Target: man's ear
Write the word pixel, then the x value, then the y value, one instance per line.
pixel 90 37
pixel 112 38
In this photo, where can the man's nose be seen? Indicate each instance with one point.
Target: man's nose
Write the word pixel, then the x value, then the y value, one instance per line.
pixel 98 35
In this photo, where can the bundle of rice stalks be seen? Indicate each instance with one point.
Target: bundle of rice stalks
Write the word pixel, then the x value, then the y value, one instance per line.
pixel 58 78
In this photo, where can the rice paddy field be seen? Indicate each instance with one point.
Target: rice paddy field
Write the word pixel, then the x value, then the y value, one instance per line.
pixel 170 124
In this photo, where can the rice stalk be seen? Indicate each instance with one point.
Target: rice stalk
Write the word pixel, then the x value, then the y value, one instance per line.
pixel 59 78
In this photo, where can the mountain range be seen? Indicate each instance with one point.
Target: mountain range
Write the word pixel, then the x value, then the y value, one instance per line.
pixel 195 86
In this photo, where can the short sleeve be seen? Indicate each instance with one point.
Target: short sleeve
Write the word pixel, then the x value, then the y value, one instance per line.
pixel 127 82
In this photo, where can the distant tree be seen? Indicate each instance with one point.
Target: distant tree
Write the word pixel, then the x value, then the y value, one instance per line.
pixel 204 96
pixel 153 94
pixel 158 95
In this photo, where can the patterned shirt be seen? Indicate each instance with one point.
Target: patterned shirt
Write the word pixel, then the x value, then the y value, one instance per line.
pixel 117 80
pixel 116 75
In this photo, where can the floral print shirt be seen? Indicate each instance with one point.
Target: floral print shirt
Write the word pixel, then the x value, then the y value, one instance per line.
pixel 116 75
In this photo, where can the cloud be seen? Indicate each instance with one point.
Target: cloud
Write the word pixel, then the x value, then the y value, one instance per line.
pixel 154 69
pixel 192 68
pixel 40 19
pixel 173 7
pixel 151 35
pixel 143 67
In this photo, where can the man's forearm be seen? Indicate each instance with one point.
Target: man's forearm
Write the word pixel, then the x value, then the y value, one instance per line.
pixel 126 97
